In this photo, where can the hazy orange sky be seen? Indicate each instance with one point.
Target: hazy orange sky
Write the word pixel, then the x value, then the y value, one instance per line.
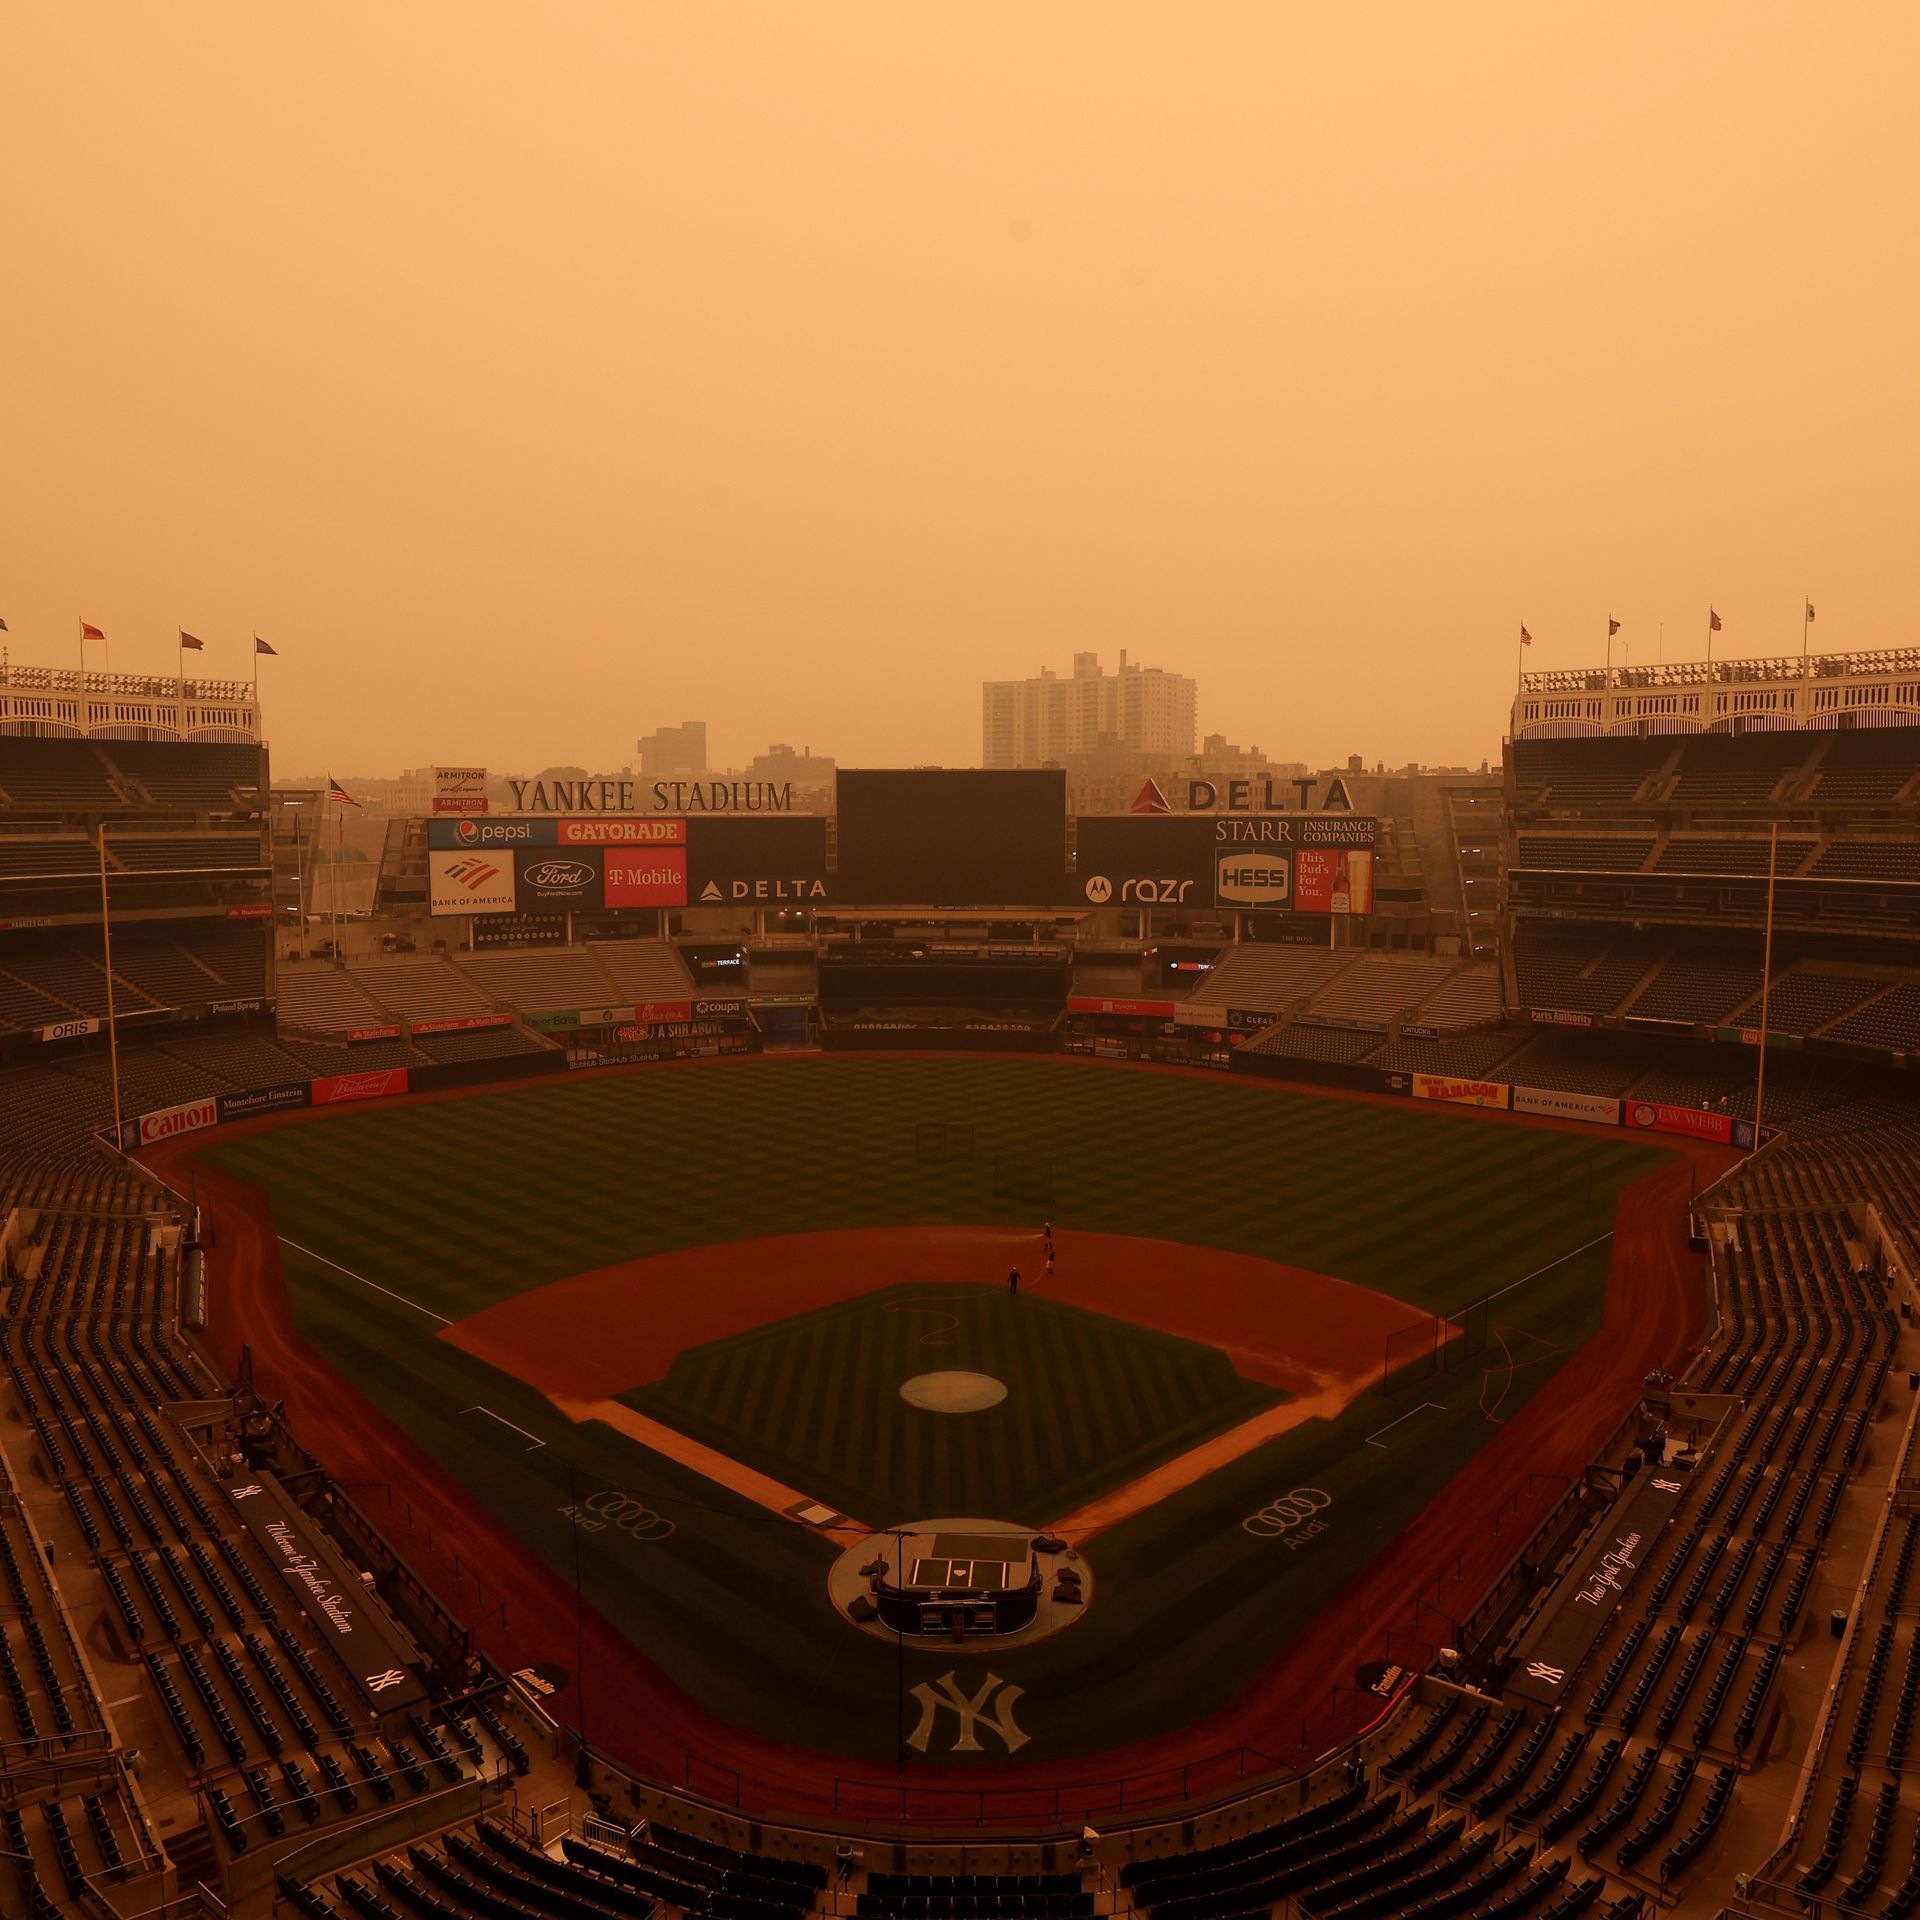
pixel 531 375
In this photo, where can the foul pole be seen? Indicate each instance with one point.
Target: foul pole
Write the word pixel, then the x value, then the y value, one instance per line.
pixel 1766 981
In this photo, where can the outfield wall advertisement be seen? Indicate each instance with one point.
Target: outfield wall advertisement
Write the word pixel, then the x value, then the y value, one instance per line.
pixel 1601 1109
pixel 376 1085
pixel 1657 1117
pixel 1461 1093
pixel 257 1100
pixel 188 1117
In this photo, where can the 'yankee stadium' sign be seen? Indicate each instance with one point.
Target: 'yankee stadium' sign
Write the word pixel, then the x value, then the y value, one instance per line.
pixel 652 796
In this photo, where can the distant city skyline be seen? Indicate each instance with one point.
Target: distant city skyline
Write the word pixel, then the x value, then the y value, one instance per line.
pixel 523 388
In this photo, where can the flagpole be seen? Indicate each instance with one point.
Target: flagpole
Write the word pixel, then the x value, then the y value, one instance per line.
pixel 1609 649
pixel 113 1035
pixel 1709 643
pixel 1806 632
pixel 333 890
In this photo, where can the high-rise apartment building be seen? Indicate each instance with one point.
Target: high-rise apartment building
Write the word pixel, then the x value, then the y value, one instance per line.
pixel 674 752
pixel 1027 723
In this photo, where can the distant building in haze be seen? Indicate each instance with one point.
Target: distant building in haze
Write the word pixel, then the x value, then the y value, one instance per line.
pixel 674 752
pixel 1032 723
pixel 805 769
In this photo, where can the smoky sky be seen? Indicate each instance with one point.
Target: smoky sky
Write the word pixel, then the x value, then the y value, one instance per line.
pixel 531 376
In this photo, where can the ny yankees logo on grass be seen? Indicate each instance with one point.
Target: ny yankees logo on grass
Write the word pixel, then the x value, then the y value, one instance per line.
pixel 971 1712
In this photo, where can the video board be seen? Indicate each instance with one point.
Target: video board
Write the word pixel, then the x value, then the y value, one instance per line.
pixel 944 838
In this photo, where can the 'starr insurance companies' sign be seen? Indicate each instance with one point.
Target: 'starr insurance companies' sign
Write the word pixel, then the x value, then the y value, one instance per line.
pixel 652 796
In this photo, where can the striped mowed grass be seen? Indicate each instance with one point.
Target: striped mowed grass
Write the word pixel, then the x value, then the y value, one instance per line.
pixel 456 1204
pixel 449 1206
pixel 1091 1403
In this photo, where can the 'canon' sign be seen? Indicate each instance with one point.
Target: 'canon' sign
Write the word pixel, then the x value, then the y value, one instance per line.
pixel 187 1118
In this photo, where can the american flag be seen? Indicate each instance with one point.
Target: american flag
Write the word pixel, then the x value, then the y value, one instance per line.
pixel 1526 639
pixel 338 794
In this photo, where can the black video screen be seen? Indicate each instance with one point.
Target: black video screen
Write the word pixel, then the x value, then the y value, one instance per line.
pixel 930 837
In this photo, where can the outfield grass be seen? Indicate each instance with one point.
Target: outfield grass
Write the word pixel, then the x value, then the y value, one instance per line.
pixel 454 1205
pixel 465 1202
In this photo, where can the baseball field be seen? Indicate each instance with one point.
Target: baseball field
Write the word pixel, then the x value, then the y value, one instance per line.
pixel 649 1333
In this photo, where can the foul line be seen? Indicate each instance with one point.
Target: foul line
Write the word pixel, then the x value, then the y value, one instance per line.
pixel 364 1281
pixel 1486 1298
pixel 491 1415
pixel 1373 1439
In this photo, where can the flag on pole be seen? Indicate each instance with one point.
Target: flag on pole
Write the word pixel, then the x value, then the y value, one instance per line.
pixel 90 632
pixel 338 794
pixel 1613 627
pixel 1713 621
pixel 187 640
pixel 3 624
pixel 1526 639
pixel 260 646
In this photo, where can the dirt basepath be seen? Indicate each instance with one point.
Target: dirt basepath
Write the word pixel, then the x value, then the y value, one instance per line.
pixel 582 1340
pixel 1408 1596
pixel 594 1335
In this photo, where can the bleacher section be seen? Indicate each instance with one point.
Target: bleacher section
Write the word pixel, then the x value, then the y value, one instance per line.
pixel 51 777
pixel 1738 769
pixel 535 980
pixel 221 1682
pixel 1382 986
pixel 326 999
pixel 1891 1021
pixel 426 988
pixel 1870 767
pixel 1699 984
pixel 1469 997
pixel 1581 773
pixel 1870 860
pixel 1700 853
pixel 643 969
pixel 1581 970
pixel 1610 852
pixel 182 852
pixel 202 776
pixel 1269 979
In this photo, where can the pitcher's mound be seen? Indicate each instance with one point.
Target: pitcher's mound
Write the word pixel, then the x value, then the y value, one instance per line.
pixel 953 1392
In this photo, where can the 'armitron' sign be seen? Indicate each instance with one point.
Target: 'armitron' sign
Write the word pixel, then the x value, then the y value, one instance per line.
pixel 652 796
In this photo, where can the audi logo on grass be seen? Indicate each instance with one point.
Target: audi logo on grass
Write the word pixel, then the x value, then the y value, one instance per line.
pixel 1289 1511
pixel 611 1508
